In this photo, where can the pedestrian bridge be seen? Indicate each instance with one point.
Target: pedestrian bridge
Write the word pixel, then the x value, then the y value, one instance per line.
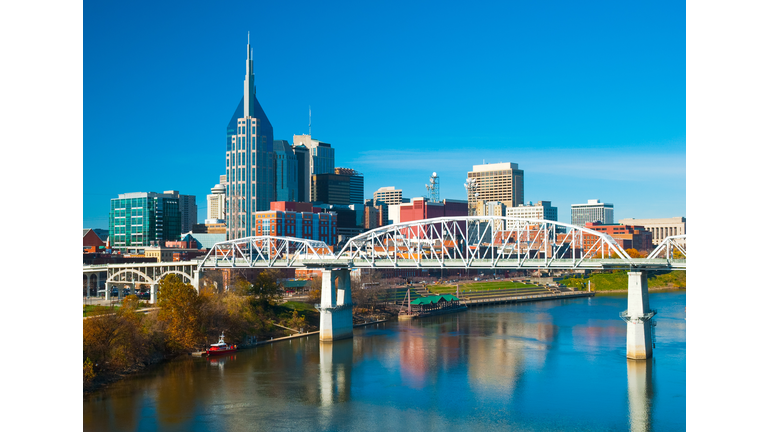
pixel 470 242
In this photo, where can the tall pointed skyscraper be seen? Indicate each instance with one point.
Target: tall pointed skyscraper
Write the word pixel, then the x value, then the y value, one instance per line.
pixel 250 160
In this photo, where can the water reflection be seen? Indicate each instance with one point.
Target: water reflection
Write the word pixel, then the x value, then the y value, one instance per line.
pixel 508 367
pixel 640 393
pixel 335 371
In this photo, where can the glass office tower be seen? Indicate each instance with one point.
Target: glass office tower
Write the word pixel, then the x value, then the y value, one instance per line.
pixel 143 219
pixel 250 160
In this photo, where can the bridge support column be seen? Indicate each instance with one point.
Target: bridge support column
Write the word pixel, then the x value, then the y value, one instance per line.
pixel 638 317
pixel 196 280
pixel 153 293
pixel 133 288
pixel 107 291
pixel 335 306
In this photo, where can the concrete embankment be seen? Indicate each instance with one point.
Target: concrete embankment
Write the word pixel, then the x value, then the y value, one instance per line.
pixel 291 337
pixel 525 298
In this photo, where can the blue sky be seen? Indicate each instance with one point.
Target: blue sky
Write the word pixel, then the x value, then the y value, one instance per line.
pixel 587 97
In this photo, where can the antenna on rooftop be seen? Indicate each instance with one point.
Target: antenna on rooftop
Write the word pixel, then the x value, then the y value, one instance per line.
pixel 310 120
pixel 433 188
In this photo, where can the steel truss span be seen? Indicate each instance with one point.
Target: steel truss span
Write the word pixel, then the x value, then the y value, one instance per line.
pixel 483 242
pixel 265 251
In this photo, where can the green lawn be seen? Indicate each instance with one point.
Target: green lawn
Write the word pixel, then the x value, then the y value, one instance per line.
pixel 478 286
pixel 619 281
pixel 89 310
pixel 285 311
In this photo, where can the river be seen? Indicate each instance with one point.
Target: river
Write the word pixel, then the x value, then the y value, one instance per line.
pixel 557 365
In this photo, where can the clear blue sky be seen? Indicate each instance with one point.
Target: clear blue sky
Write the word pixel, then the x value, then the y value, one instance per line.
pixel 587 97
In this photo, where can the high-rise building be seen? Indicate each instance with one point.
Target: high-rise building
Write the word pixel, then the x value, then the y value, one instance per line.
pixel 216 202
pixel 356 184
pixel 143 219
pixel 389 195
pixel 286 172
pixel 188 208
pixel 321 159
pixel 250 160
pixel 303 176
pixel 592 211
pixel 330 189
pixel 502 182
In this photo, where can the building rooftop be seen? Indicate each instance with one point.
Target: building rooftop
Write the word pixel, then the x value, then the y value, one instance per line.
pixel 494 167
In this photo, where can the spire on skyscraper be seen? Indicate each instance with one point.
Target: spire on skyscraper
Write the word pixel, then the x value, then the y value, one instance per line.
pixel 248 84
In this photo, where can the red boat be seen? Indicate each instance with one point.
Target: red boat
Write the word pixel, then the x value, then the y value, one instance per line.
pixel 221 347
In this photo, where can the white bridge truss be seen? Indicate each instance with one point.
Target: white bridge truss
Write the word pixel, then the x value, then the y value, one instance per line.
pixel 265 251
pixel 668 246
pixel 485 242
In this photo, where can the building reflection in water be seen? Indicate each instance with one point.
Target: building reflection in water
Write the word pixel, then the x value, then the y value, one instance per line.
pixel 640 394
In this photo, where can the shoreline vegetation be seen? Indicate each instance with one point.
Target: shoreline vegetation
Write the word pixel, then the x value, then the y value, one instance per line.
pixel 120 341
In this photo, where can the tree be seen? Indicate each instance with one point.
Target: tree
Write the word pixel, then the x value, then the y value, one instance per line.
pixel 297 322
pixel 315 290
pixel 266 287
pixel 181 310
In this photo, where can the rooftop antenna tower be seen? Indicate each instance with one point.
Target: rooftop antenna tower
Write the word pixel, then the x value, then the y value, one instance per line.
pixel 310 120
pixel 433 188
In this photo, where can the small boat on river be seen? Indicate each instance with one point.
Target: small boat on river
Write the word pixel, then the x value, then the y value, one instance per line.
pixel 221 347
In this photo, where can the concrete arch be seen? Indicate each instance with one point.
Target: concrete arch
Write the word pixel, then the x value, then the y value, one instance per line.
pixel 160 278
pixel 112 278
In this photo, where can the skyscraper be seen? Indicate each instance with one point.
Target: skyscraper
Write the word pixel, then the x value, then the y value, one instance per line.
pixel 322 158
pixel 188 208
pixel 250 160
pixel 216 203
pixel 502 182
pixel 286 172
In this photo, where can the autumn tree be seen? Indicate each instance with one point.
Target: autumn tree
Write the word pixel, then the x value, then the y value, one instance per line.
pixel 181 310
pixel 297 321
pixel 267 286
pixel 115 340
pixel 315 290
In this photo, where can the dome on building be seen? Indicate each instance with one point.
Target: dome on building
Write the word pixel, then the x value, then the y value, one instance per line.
pixel 218 189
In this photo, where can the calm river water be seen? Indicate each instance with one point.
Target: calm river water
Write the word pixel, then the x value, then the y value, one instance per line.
pixel 549 366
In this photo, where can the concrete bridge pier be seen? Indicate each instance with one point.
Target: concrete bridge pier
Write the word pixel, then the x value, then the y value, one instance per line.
pixel 153 293
pixel 638 317
pixel 335 306
pixel 107 291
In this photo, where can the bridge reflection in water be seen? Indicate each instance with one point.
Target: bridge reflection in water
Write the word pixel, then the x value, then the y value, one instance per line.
pixel 534 366
pixel 640 394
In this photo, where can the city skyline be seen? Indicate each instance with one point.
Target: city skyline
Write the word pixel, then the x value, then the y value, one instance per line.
pixel 610 126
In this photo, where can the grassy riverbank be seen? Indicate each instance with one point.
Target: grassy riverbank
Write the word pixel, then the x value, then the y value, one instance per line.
pixel 617 281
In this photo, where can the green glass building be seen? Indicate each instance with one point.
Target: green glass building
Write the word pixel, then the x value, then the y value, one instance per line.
pixel 143 219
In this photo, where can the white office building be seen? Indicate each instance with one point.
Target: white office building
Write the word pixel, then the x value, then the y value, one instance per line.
pixel 592 211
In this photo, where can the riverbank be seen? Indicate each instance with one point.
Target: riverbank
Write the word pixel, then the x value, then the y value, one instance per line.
pixel 654 289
